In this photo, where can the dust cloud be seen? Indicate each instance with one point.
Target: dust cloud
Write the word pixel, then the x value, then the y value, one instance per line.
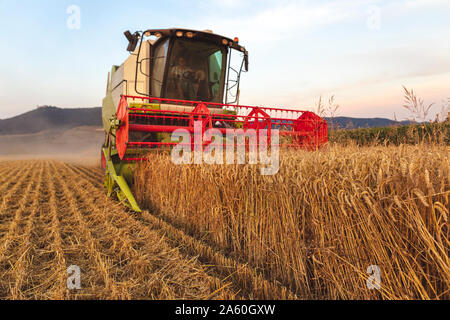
pixel 79 145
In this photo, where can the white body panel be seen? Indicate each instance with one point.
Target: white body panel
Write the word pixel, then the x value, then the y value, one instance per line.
pixel 123 80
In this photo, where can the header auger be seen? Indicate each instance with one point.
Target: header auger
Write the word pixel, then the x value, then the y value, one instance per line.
pixel 173 78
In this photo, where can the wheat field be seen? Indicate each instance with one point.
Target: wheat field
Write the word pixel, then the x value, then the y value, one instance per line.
pixel 54 215
pixel 312 230
pixel 227 232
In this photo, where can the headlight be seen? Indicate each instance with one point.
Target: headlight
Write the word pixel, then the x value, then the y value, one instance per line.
pixel 179 34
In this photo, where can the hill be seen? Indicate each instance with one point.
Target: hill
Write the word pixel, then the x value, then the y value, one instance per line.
pixel 356 123
pixel 51 118
pixel 54 118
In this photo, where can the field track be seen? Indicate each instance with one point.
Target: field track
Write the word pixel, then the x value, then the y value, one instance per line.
pixel 54 215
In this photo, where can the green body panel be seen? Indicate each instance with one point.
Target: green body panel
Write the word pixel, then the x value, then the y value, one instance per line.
pixel 108 111
pixel 118 178
pixel 141 105
pixel 119 174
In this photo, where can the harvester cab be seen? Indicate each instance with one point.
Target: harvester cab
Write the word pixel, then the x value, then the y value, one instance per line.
pixel 172 79
pixel 177 64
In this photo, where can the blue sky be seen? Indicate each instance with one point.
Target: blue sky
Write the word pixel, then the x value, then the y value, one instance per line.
pixel 361 51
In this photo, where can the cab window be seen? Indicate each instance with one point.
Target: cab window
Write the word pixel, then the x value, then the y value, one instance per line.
pixel 159 64
pixel 196 70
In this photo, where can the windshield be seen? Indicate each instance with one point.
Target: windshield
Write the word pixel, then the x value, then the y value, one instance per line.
pixel 196 71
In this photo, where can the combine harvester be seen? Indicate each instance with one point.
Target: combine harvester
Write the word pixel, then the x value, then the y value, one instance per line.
pixel 173 78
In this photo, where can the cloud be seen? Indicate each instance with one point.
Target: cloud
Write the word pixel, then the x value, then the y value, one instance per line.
pixel 284 20
pixel 228 3
pixel 425 3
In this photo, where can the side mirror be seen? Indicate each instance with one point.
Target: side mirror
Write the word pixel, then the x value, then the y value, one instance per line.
pixel 132 40
pixel 246 62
